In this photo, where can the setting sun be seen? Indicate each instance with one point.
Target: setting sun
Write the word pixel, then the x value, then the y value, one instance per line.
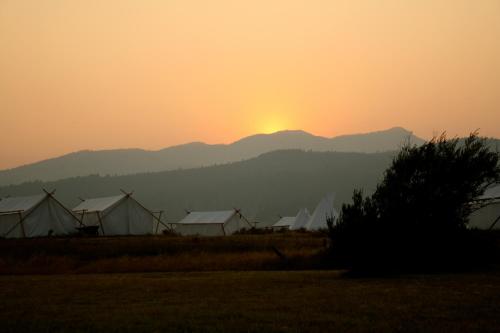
pixel 272 124
pixel 163 73
pixel 273 116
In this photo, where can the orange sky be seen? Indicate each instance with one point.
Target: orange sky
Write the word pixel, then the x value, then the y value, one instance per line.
pixel 152 73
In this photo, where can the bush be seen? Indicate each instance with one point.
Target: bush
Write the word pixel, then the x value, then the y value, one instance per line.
pixel 418 214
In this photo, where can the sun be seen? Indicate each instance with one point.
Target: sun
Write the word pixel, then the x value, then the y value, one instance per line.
pixel 273 121
pixel 273 126
pixel 270 116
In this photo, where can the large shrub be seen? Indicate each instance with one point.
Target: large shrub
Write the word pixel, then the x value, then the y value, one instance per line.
pixel 418 213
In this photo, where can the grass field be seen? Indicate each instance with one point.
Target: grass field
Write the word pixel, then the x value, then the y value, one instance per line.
pixel 161 254
pixel 243 283
pixel 251 301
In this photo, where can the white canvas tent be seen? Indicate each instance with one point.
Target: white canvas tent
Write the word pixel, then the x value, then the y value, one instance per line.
pixel 117 215
pixel 218 223
pixel 487 217
pixel 35 216
pixel 303 216
pixel 293 222
pixel 323 210
pixel 284 223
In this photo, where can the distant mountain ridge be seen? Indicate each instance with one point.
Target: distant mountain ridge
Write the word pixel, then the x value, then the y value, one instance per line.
pixel 197 154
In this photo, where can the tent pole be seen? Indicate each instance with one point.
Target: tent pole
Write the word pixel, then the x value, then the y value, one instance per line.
pixel 25 216
pixel 491 226
pixel 100 222
pixel 51 195
pixel 18 223
pixel 157 224
pixel 223 230
pixel 238 211
pixel 157 219
pixel 22 224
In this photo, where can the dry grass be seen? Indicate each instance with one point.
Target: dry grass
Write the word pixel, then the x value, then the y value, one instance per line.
pixel 160 254
pixel 243 295
pixel 280 301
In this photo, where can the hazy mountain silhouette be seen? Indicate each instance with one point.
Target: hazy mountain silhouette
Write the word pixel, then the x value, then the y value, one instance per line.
pixel 274 183
pixel 197 154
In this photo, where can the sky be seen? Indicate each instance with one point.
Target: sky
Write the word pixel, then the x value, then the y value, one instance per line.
pixel 87 74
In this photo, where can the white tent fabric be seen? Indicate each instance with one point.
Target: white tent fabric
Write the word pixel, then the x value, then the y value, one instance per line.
pixel 98 204
pixel 35 216
pixel 218 223
pixel 303 216
pixel 293 222
pixel 286 222
pixel 485 217
pixel 20 203
pixel 491 193
pixel 208 217
pixel 117 215
pixel 323 210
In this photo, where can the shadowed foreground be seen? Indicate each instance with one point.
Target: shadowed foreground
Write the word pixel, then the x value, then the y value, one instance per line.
pixel 312 301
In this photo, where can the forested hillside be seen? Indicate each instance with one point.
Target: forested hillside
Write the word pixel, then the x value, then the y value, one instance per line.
pixel 275 183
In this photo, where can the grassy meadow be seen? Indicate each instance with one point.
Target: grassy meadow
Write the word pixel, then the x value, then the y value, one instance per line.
pixel 161 253
pixel 243 283
pixel 249 301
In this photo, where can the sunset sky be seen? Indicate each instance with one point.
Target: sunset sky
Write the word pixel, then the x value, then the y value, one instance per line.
pixel 149 73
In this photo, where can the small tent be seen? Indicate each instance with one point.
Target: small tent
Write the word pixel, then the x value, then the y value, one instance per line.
pixel 284 223
pixel 323 210
pixel 117 215
pixel 35 216
pixel 218 223
pixel 487 217
pixel 293 222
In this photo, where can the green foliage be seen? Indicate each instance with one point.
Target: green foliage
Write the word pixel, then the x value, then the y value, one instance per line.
pixel 421 206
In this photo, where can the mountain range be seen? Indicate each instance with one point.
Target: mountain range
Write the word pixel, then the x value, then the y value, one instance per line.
pixel 198 154
pixel 277 181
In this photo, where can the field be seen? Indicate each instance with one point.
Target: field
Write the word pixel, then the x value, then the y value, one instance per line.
pixel 161 254
pixel 279 301
pixel 245 283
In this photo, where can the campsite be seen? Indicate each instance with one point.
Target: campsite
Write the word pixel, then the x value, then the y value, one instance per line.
pixel 257 166
pixel 109 264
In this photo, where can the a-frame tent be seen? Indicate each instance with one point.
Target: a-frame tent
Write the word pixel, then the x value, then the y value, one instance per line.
pixel 303 216
pixel 323 211
pixel 117 215
pixel 36 216
pixel 216 223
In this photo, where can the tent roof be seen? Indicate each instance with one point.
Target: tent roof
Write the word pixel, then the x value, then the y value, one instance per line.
pixel 324 209
pixel 491 193
pixel 218 217
pixel 98 204
pixel 286 221
pixel 15 204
